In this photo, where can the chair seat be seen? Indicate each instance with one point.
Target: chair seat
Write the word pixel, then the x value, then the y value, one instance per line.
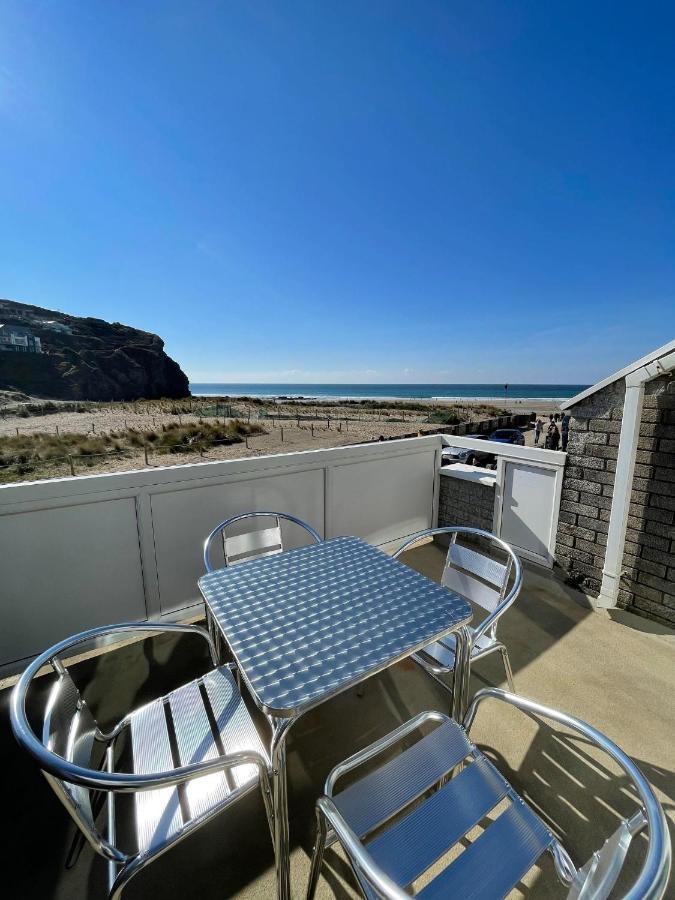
pixel 442 653
pixel 489 866
pixel 199 721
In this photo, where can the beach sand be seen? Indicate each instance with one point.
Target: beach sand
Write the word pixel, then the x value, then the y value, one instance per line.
pixel 336 425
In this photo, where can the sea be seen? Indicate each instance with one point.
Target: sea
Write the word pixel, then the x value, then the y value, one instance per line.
pixel 454 392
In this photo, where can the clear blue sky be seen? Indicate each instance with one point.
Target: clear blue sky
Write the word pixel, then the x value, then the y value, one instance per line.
pixel 347 191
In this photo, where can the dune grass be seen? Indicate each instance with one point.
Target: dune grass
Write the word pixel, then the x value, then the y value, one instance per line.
pixel 24 454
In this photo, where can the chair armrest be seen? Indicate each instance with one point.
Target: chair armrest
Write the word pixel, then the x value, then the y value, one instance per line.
pixel 122 628
pixel 653 877
pixel 379 746
pixel 51 762
pixel 363 863
pixel 130 782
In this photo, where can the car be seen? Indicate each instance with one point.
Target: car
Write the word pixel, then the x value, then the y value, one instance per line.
pixel 466 455
pixel 508 436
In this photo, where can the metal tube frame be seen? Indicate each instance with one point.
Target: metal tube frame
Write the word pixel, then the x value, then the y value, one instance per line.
pixel 363 866
pixel 652 881
pixel 122 866
pixel 489 624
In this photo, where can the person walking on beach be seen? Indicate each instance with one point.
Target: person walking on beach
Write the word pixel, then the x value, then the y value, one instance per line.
pixel 554 436
pixel 549 432
pixel 538 427
pixel 565 430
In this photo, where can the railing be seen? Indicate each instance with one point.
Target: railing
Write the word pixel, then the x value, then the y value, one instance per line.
pixel 528 484
pixel 86 551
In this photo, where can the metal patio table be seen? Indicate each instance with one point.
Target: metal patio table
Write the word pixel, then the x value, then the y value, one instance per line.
pixel 309 623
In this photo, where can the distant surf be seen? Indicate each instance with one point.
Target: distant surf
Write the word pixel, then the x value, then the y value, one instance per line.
pixel 497 393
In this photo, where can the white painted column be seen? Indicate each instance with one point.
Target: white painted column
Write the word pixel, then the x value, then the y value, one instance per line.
pixel 623 485
pixel 623 479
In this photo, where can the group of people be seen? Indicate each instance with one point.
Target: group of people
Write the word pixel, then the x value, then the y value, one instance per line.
pixel 557 431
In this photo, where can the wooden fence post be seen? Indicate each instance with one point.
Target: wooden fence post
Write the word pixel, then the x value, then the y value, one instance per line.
pixel 72 467
pixel 145 454
pixel 282 433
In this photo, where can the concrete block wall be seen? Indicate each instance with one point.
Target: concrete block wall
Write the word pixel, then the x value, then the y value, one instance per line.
pixel 462 502
pixel 588 485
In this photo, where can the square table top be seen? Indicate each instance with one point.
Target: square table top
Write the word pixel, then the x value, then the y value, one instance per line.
pixel 308 623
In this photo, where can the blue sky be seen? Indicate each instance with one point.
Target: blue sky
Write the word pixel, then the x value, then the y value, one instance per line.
pixel 354 191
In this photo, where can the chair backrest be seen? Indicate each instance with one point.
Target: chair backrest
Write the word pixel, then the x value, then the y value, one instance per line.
pixel 69 730
pixel 475 575
pixel 239 548
pixel 478 577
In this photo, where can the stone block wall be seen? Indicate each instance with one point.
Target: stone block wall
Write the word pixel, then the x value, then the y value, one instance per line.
pixel 463 502
pixel 649 555
pixel 588 485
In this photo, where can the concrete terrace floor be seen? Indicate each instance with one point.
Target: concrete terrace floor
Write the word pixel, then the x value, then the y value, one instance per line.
pixel 616 671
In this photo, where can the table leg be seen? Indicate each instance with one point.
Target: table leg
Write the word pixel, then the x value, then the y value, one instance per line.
pixel 282 851
pixel 215 633
pixel 460 688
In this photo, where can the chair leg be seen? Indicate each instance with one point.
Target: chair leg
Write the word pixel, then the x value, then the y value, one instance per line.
pixel 317 855
pixel 507 668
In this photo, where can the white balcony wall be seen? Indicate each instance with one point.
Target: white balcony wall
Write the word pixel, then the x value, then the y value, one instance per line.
pixel 81 552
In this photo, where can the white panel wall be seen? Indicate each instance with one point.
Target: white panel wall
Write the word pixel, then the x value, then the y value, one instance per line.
pixel 182 518
pixel 79 552
pixel 380 503
pixel 63 569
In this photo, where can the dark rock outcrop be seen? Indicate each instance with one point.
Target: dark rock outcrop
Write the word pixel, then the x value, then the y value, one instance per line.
pixel 87 359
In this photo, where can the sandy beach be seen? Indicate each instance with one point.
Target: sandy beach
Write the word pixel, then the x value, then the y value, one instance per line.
pixel 330 425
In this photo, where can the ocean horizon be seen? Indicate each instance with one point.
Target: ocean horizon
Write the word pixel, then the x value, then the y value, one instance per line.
pixel 453 392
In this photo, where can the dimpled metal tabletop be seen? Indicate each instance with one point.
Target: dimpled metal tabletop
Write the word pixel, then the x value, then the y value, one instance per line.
pixel 307 623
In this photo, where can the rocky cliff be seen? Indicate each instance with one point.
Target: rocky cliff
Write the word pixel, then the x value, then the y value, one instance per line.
pixel 87 359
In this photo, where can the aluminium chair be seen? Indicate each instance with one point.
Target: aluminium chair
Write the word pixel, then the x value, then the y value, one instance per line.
pixel 240 548
pixel 194 753
pixel 411 813
pixel 485 582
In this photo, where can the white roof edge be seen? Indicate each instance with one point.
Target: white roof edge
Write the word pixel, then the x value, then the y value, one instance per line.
pixel 644 361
